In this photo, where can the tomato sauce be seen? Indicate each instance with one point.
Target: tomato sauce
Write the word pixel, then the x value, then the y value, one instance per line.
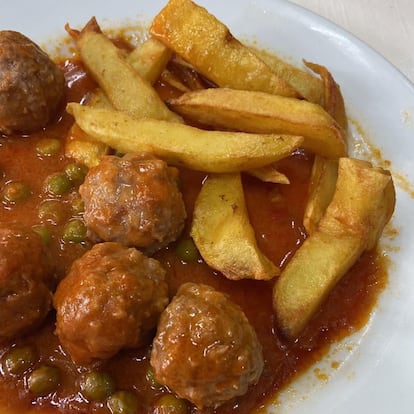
pixel 276 213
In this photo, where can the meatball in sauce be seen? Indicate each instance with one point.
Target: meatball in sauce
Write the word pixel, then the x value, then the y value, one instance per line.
pixel 111 299
pixel 25 279
pixel 133 200
pixel 31 85
pixel 205 349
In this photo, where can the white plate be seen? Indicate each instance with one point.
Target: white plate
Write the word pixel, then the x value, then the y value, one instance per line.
pixel 377 367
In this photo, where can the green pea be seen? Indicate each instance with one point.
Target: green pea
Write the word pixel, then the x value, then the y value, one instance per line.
pixel 58 184
pixel 52 211
pixel 150 377
pixel 97 386
pixel 123 402
pixel 16 191
pixel 19 359
pixel 44 380
pixel 76 172
pixel 170 404
pixel 44 233
pixel 74 231
pixel 78 206
pixel 47 147
pixel 187 251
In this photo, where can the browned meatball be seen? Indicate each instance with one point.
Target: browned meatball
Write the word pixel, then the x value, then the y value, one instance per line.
pixel 111 299
pixel 31 84
pixel 205 349
pixel 25 271
pixel 133 200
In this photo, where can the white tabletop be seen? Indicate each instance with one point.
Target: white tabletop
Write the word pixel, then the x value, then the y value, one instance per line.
pixel 385 25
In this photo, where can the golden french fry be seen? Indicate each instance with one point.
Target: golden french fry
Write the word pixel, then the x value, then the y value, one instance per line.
pixel 98 99
pixel 223 234
pixel 197 36
pixel 324 172
pixel 261 112
pixel 174 81
pixel 79 147
pixel 362 204
pixel 179 144
pixel 149 59
pixel 321 190
pixel 333 99
pixel 126 90
pixel 309 86
pixel 269 174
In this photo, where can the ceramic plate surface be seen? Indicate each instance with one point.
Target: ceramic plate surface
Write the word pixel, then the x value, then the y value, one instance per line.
pixel 376 365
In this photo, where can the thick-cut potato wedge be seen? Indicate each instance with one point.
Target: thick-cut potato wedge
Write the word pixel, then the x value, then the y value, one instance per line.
pixel 261 112
pixel 198 37
pixel 362 204
pixel 308 85
pixel 321 190
pixel 124 87
pixel 183 145
pixel 149 59
pixel 313 271
pixel 223 234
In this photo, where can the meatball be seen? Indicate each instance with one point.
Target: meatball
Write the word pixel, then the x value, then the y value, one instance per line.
pixel 205 349
pixel 111 299
pixel 25 275
pixel 31 84
pixel 133 200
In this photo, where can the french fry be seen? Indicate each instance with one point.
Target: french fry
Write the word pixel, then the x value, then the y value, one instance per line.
pixel 260 112
pixel 321 190
pixel 126 90
pixel 324 171
pixel 79 147
pixel 309 86
pixel 201 39
pixel 333 99
pixel 172 80
pixel 149 59
pixel 98 99
pixel 362 204
pixel 223 234
pixel 183 145
pixel 269 174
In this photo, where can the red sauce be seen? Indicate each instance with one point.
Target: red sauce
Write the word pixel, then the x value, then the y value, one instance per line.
pixel 276 213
